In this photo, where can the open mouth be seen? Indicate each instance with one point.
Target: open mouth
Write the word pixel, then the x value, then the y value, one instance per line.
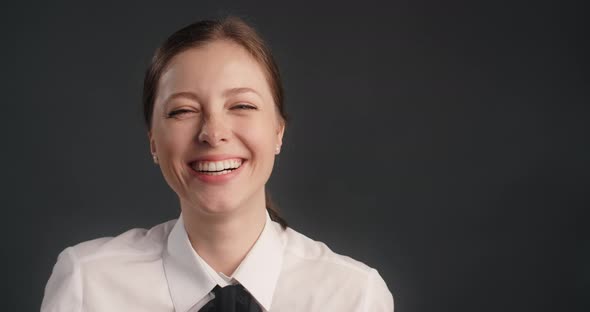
pixel 216 167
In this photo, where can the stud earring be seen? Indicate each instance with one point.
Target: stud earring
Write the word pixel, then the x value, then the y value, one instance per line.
pixel 155 158
pixel 278 149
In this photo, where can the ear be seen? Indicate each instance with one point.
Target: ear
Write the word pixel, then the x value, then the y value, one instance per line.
pixel 152 142
pixel 280 133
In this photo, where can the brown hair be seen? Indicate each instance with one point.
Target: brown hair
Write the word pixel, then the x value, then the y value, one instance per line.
pixel 200 33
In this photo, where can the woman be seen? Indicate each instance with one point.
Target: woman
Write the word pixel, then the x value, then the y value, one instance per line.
pixel 213 106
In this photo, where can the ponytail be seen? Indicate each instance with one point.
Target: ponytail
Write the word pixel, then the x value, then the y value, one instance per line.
pixel 273 211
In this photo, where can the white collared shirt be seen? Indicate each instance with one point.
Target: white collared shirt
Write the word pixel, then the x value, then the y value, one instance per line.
pixel 158 270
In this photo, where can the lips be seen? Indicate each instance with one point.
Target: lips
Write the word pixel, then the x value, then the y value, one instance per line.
pixel 216 166
pixel 216 171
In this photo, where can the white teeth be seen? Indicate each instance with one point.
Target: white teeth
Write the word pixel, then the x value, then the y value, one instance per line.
pixel 217 172
pixel 217 166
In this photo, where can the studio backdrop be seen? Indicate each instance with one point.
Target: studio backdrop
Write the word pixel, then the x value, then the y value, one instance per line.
pixel 443 143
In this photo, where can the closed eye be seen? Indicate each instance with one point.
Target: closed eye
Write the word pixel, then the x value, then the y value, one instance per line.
pixel 244 106
pixel 179 112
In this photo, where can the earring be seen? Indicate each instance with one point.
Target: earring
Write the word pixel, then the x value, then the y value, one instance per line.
pixel 278 149
pixel 155 158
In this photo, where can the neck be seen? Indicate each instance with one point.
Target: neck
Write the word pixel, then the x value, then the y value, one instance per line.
pixel 223 240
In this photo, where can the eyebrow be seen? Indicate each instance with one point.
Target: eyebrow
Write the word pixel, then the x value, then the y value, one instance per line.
pixel 226 93
pixel 234 91
pixel 173 96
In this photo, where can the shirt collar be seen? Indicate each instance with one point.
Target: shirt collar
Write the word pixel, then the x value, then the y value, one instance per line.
pixel 189 276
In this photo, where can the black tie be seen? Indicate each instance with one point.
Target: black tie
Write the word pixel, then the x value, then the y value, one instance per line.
pixel 232 298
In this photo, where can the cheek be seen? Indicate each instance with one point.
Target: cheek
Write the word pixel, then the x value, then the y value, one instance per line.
pixel 259 137
pixel 173 140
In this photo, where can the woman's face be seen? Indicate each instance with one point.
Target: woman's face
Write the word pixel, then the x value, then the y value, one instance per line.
pixel 214 110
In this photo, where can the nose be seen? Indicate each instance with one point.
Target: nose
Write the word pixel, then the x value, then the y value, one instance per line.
pixel 213 131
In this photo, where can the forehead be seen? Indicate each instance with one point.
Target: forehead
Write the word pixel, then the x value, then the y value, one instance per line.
pixel 212 68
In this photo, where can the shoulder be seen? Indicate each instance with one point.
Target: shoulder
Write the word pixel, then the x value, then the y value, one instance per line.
pixel 136 242
pixel 315 263
pixel 89 265
pixel 305 249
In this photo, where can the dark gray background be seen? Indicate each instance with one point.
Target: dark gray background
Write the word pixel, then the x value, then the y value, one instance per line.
pixel 443 143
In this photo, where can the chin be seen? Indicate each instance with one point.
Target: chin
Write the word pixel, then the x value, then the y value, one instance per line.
pixel 218 201
pixel 218 205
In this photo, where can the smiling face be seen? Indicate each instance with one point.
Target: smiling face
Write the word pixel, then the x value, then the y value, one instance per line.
pixel 214 111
